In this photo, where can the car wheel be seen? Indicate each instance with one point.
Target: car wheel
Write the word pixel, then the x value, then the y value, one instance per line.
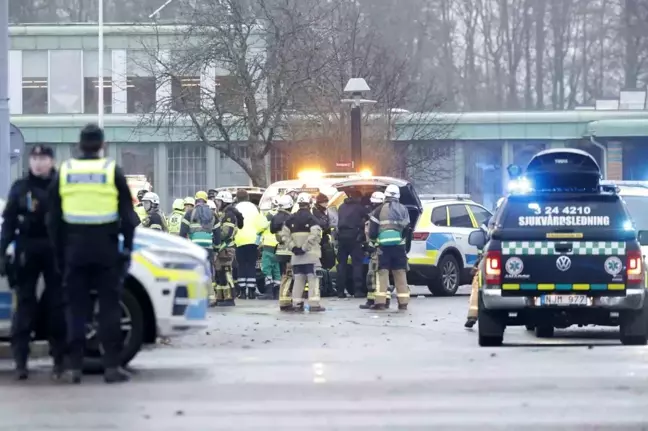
pixel 634 326
pixel 544 331
pixel 132 331
pixel 490 328
pixel 447 281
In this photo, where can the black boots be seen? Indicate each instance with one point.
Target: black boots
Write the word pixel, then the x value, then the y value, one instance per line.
pixel 367 305
pixel 470 322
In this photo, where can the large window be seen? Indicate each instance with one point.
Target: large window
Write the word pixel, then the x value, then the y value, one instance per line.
pixel 141 83
pixel 34 82
pixel 139 160
pixel 279 168
pixel 187 165
pixel 185 93
pixel 483 171
pixel 229 97
pixel 91 82
pixel 66 82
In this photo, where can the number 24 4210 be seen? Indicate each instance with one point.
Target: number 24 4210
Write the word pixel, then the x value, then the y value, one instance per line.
pixel 572 210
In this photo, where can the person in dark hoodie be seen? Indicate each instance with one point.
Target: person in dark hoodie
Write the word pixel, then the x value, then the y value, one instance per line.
pixel 352 216
pixel 24 223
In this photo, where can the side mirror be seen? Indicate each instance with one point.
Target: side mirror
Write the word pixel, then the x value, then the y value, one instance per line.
pixel 642 236
pixel 477 239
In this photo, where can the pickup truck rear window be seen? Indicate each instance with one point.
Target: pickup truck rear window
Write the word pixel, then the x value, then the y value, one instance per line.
pixel 551 214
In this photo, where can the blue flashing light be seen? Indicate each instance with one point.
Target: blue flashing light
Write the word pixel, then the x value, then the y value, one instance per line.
pixel 628 225
pixel 520 186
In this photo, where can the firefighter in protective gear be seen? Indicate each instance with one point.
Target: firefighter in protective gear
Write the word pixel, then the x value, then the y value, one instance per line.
pixel 139 207
pixel 371 248
pixel 473 308
pixel 283 254
pixel 301 234
pixel 389 227
pixel 230 222
pixel 189 203
pixel 200 225
pixel 212 206
pixel 175 220
pixel 269 262
pixel 154 219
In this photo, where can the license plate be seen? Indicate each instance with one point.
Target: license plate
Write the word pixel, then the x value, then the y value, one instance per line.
pixel 564 300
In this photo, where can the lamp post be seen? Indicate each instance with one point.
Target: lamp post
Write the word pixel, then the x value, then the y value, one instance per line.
pixel 356 87
pixel 5 133
pixel 100 72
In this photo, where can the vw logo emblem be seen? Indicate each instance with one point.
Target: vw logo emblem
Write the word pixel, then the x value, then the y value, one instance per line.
pixel 563 263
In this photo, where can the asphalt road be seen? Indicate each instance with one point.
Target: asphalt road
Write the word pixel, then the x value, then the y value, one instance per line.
pixel 348 369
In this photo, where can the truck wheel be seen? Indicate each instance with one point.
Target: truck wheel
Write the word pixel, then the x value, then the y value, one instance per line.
pixel 448 280
pixel 634 326
pixel 490 329
pixel 544 331
pixel 132 324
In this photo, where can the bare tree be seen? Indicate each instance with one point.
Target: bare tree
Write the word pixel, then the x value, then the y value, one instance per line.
pixel 251 56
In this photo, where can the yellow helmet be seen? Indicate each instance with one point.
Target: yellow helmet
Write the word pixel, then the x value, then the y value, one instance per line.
pixel 189 201
pixel 201 195
pixel 178 204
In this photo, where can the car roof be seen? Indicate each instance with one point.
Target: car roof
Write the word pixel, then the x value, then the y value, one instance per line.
pixel 439 202
pixel 371 180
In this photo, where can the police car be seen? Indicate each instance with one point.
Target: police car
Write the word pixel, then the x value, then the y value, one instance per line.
pixel 165 295
pixel 440 256
pixel 563 254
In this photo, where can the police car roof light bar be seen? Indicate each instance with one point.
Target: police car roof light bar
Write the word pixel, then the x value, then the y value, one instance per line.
pixel 433 197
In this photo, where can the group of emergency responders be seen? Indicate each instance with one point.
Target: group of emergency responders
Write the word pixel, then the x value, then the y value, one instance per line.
pixel 297 237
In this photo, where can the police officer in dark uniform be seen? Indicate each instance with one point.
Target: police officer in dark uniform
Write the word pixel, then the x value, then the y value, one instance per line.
pixel 24 223
pixel 352 216
pixel 91 205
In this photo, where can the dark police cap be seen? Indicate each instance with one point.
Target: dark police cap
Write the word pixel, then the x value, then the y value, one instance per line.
pixel 42 150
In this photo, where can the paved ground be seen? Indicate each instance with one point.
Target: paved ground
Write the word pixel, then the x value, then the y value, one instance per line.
pixel 349 369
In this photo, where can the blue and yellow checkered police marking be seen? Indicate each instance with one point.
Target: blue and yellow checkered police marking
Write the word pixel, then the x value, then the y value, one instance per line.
pixel 562 287
pixel 547 248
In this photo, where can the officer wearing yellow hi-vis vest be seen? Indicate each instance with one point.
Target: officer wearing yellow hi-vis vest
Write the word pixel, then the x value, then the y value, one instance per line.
pixel 91 205
pixel 175 219
pixel 139 207
pixel 246 246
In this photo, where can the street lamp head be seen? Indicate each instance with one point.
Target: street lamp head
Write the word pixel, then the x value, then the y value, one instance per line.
pixel 356 85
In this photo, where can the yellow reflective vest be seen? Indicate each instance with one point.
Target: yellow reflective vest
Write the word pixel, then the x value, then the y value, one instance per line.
pixel 141 212
pixel 175 221
pixel 248 234
pixel 263 229
pixel 88 192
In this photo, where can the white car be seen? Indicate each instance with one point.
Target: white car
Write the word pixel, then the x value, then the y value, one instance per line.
pixel 635 195
pixel 440 256
pixel 165 295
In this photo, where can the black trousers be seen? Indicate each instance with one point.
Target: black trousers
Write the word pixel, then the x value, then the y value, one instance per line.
pixel 28 309
pixel 246 257
pixel 354 250
pixel 80 281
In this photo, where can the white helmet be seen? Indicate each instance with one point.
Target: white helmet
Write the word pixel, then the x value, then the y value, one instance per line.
pixel 211 204
pixel 274 202
pixel 304 198
pixel 377 197
pixel 392 191
pixel 151 197
pixel 286 202
pixel 225 196
pixel 266 205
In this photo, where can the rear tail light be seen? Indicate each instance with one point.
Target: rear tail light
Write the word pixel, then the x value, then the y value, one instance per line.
pixel 420 236
pixel 493 267
pixel 634 265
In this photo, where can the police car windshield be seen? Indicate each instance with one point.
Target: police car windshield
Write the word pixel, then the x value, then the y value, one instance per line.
pixel 587 214
pixel 638 208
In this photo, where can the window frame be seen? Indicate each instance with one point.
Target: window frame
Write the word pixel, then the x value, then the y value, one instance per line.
pixel 465 208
